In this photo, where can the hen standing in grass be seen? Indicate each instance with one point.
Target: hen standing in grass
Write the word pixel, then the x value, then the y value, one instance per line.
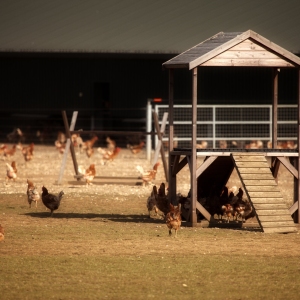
pixel 148 176
pixel 51 201
pixel 28 152
pixel 11 171
pixel 32 193
pixel 110 156
pixel 88 174
pixel 136 148
pixel 173 218
pixel 10 152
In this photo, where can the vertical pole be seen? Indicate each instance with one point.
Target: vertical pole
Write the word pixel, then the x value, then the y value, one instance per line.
pixel 162 150
pixel 298 164
pixel 193 168
pixel 159 143
pixel 275 108
pixel 68 145
pixel 148 129
pixel 214 127
pixel 172 178
pixel 294 161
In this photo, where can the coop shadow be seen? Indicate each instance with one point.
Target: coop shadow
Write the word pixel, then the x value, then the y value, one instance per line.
pixel 96 217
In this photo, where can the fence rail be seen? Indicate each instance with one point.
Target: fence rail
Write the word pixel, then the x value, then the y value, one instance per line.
pixel 219 125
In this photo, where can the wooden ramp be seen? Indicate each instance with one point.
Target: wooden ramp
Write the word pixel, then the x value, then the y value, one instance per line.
pixel 263 193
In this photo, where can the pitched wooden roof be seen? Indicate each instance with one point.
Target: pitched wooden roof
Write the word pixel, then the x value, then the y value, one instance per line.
pixel 235 49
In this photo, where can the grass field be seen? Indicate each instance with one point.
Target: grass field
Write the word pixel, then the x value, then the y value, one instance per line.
pixel 98 247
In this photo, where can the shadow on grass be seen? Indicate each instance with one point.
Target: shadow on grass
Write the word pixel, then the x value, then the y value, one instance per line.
pixel 121 218
pixel 101 217
pixel 108 180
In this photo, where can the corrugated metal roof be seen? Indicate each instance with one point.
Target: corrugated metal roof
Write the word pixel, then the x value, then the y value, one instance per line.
pixel 222 42
pixel 185 58
pixel 143 26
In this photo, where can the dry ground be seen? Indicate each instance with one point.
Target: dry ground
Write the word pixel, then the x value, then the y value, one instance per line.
pixel 101 244
pixel 119 177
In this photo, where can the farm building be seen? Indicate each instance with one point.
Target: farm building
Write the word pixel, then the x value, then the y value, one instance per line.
pixel 104 59
pixel 235 50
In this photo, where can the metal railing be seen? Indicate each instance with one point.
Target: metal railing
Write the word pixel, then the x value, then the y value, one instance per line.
pixel 239 124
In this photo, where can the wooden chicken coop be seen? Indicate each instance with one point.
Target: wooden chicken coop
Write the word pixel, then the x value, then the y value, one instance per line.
pixel 258 177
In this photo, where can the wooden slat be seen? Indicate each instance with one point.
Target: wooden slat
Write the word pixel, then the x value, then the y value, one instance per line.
pixel 251 62
pixel 249 158
pixel 273 212
pixel 267 206
pixel 260 182
pixel 203 211
pixel 254 170
pixel 260 176
pixel 265 194
pixel 291 229
pixel 263 200
pixel 275 218
pixel 247 45
pixel 246 54
pixel 261 188
pixel 205 165
pixel 252 164
pixel 267 224
pixel 288 166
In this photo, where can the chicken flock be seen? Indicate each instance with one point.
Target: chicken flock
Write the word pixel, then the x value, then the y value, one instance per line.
pixel 228 206
pixel 52 201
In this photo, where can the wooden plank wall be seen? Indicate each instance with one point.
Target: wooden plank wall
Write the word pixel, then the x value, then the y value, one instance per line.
pixel 248 53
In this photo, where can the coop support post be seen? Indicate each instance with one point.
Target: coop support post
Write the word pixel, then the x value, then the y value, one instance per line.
pixel 193 217
pixel 275 107
pixel 68 145
pixel 297 217
pixel 162 131
pixel 172 176
pixel 148 129
pixel 162 150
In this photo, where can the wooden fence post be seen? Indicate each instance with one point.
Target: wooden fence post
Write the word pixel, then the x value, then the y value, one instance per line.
pixel 68 145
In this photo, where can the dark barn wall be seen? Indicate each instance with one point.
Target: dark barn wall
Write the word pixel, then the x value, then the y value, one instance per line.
pixel 56 83
pixel 225 85
pixel 109 90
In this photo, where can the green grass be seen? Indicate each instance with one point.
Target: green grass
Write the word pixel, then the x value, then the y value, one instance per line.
pixel 109 249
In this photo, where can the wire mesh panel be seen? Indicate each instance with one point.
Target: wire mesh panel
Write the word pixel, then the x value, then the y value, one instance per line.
pixel 231 126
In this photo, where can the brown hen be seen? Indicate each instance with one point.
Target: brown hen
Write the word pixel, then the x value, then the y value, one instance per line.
pixel 32 193
pixel 173 218
pixel 28 152
pixel 135 149
pixel 88 174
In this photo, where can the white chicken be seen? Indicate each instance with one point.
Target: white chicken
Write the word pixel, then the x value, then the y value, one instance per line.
pixel 11 171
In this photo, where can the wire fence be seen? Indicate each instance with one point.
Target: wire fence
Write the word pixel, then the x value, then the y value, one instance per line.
pixel 232 126
pixel 42 127
pixel 218 126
